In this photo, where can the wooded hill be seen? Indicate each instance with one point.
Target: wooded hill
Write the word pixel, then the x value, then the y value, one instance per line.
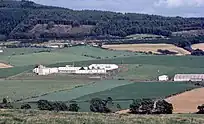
pixel 28 20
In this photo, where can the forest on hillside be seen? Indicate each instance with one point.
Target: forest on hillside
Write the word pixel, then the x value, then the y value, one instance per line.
pixel 18 18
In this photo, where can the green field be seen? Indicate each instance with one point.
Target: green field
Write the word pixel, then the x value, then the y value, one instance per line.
pixel 151 72
pixel 122 92
pixel 45 117
pixel 150 66
pixel 7 72
pixel 32 56
pixel 81 91
pixel 172 61
pixel 21 89
pixel 124 95
pixel 21 83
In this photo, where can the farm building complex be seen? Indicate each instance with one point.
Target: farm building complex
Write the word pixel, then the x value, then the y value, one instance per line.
pixel 92 69
pixel 189 77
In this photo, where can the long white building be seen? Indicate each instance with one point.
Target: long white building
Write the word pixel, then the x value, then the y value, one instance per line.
pixel 92 69
pixel 189 77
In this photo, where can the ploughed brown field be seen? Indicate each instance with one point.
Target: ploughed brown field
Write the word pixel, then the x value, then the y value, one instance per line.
pixel 198 46
pixel 187 102
pixel 2 65
pixel 147 48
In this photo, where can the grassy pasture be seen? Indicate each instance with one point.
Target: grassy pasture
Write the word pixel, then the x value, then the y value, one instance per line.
pixel 81 91
pixel 149 67
pixel 20 89
pixel 151 72
pixel 124 94
pixel 32 56
pixel 7 72
pixel 45 117
pixel 172 61
pixel 96 52
pixel 44 58
pixel 148 48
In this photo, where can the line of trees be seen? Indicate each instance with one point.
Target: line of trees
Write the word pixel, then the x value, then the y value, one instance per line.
pixel 18 17
pixel 138 106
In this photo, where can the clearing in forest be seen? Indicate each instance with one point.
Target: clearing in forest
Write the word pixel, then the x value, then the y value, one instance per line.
pixel 148 48
pixel 198 46
pixel 187 102
pixel 3 65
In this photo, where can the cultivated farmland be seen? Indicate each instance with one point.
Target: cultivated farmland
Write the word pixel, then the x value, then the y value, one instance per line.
pixel 20 83
pixel 2 65
pixel 81 91
pixel 143 72
pixel 21 89
pixel 124 95
pixel 187 102
pixel 25 56
pixel 198 46
pixel 147 48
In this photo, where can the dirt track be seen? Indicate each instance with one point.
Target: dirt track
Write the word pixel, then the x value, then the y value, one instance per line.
pixel 147 47
pixel 187 102
pixel 2 65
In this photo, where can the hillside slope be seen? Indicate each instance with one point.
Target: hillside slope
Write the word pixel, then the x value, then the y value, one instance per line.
pixel 44 117
pixel 18 18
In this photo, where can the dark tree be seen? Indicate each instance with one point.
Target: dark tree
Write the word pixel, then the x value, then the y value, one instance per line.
pixel 4 101
pixel 197 52
pixel 25 106
pixel 162 107
pixel 148 106
pixel 45 105
pixel 74 107
pixel 75 24
pixel 142 106
pixel 200 109
pixel 50 24
pixel 99 105
pixel 52 106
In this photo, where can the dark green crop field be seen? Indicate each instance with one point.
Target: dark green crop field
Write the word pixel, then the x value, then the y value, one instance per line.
pixel 124 95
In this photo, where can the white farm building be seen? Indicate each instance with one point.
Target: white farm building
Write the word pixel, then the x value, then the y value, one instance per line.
pixel 107 67
pixel 92 69
pixel 163 78
pixel 189 77
pixel 1 51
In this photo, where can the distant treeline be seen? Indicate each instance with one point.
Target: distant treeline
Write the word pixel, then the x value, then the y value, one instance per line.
pixel 18 17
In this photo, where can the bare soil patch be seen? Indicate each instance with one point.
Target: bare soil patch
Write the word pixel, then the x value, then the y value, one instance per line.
pixel 2 65
pixel 198 46
pixel 187 102
pixel 123 111
pixel 148 48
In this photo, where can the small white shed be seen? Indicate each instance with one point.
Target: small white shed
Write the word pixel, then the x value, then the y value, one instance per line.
pixel 1 51
pixel 163 78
